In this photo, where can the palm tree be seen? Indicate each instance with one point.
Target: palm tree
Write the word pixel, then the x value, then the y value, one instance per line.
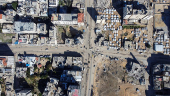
pixel 68 2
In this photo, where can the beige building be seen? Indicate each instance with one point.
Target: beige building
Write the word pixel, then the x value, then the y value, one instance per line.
pixel 64 19
pixel 133 16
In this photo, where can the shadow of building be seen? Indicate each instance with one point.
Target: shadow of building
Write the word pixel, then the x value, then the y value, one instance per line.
pixel 5 50
pixel 155 59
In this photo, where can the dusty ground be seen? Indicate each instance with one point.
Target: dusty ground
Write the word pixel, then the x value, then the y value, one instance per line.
pixel 6 38
pixel 159 8
pixel 130 90
pixel 158 21
pixel 44 61
pixel 112 80
pixel 67 32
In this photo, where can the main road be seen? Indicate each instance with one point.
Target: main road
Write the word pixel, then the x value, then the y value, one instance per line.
pixel 86 51
pixel 89 42
pixel 41 50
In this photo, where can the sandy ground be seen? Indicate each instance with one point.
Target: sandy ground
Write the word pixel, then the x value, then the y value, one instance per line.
pixel 158 21
pixel 131 90
pixel 43 61
pixel 109 82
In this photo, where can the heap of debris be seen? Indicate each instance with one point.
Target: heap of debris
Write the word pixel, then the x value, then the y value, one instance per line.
pixel 136 74
pixel 102 3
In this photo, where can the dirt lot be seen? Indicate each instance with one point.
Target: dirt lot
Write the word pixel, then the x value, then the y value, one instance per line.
pixel 6 38
pixel 110 80
pixel 67 32
pixel 158 21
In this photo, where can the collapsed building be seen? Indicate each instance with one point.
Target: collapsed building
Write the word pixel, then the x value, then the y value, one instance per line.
pixel 161 77
pixel 136 74
pixel 52 88
pixel 62 61
pixel 136 16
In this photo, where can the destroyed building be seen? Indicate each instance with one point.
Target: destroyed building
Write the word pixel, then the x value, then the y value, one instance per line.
pixel 161 75
pixel 136 16
pixel 61 61
pixel 74 90
pixel 71 76
pixel 137 72
pixel 52 88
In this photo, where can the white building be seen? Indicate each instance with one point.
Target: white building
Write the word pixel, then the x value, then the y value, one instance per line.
pixel 53 35
pixel 132 16
pixel 53 3
pixel 100 19
pixel 7 16
pixel 158 47
pixel 25 92
pixel 64 19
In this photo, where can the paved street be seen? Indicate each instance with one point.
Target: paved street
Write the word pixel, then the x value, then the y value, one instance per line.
pixel 87 55
pixel 88 50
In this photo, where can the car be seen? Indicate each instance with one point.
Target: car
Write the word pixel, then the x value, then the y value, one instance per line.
pixel 140 53
pixel 87 27
pixel 41 55
pixel 46 48
pixel 93 65
pixel 45 55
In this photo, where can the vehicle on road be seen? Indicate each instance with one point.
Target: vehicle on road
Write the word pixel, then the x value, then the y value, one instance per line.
pixel 46 49
pixel 41 55
pixel 140 53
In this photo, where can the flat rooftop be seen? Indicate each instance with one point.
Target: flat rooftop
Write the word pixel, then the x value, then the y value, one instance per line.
pixel 159 8
pixel 64 17
pixel 23 26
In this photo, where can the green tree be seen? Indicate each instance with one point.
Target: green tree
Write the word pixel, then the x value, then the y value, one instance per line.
pixel 40 94
pixel 68 3
pixel 131 27
pixel 68 34
pixel 32 77
pixel 61 3
pixel 3 94
pixel 44 76
pixel 28 72
pixel 148 46
pixel 14 5
pixel 35 68
pixel 125 33
pixel 48 67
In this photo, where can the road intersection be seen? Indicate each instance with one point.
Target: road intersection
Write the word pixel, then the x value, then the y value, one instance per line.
pixel 88 51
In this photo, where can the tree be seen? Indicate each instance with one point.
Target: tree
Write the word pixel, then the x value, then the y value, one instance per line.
pixel 3 94
pixel 130 39
pixel 147 45
pixel 125 33
pixel 131 27
pixel 33 77
pixel 68 2
pixel 48 67
pixel 68 34
pixel 61 3
pixel 28 72
pixel 44 76
pixel 35 68
pixel 40 94
pixel 14 5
